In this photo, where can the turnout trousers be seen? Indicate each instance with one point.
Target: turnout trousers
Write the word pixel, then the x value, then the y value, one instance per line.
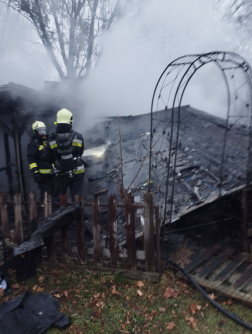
pixel 49 184
pixel 74 183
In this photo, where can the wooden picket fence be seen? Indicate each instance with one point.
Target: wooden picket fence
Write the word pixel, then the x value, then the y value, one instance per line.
pixel 133 259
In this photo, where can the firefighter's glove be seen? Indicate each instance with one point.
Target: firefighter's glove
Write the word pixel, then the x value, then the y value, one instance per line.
pixel 37 178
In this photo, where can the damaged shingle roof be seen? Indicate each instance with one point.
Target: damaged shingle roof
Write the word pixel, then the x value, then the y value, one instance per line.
pixel 199 157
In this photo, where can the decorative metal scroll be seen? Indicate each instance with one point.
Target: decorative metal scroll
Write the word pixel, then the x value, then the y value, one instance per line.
pixel 205 156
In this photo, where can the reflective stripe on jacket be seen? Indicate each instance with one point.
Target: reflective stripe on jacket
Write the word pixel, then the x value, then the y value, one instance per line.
pixel 35 156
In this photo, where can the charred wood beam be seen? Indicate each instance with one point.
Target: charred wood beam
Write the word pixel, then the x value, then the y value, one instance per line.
pixel 8 163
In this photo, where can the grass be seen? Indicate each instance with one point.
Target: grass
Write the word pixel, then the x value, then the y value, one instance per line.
pixel 106 303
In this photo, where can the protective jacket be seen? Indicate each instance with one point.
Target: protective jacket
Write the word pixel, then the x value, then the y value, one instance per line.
pixel 63 147
pixel 36 157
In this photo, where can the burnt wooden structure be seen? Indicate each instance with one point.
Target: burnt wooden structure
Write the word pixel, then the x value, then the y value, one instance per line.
pixel 224 273
pixel 19 107
pixel 128 257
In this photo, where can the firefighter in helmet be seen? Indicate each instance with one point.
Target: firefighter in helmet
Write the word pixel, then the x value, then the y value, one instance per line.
pixel 64 149
pixel 41 169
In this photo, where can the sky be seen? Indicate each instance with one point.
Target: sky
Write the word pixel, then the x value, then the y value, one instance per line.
pixel 132 57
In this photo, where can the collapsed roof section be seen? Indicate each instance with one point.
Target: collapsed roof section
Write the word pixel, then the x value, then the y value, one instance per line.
pixel 199 158
pixel 25 100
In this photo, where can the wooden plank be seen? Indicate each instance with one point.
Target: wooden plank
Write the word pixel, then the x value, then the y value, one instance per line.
pixel 80 230
pixel 215 263
pixel 65 245
pixel 135 275
pixel 18 219
pixel 33 212
pixel 149 233
pixel 243 279
pixel 64 234
pixel 97 234
pixel 231 267
pixel 130 236
pixel 201 258
pixel 158 260
pixel 4 215
pixel 123 254
pixel 50 250
pixel 47 204
pixel 226 291
pixel 112 226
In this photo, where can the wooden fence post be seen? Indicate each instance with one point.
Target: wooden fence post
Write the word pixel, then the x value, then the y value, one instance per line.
pixel 18 219
pixel 64 233
pixel 80 230
pixel 4 215
pixel 130 236
pixel 98 255
pixel 149 233
pixel 112 226
pixel 158 260
pixel 49 241
pixel 33 212
pixel 47 204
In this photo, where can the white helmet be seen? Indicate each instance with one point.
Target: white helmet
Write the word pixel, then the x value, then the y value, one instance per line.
pixel 64 116
pixel 39 128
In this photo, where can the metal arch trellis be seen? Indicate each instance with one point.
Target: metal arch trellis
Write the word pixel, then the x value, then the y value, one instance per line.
pixel 169 92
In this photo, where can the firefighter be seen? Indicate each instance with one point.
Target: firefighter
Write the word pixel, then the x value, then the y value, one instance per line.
pixel 41 169
pixel 64 149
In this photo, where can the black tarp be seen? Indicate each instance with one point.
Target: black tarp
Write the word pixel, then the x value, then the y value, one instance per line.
pixel 31 314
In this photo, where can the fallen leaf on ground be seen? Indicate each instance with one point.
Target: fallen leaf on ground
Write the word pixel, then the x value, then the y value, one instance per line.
pixel 66 293
pixel 228 302
pixel 162 309
pixel 193 308
pixel 212 296
pixel 114 292
pixel 41 279
pixel 192 322
pixel 1 292
pixel 171 325
pixel 103 295
pixel 35 287
pixel 149 297
pixel 169 293
pixel 15 286
pixel 140 284
pixel 57 295
pixel 173 312
pixel 97 295
pixel 39 289
pixel 139 292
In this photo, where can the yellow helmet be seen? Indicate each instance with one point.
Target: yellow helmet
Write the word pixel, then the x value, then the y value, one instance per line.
pixel 39 127
pixel 64 116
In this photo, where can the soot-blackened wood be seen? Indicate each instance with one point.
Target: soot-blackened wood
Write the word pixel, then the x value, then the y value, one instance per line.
pixel 64 234
pixel 97 234
pixel 149 233
pixel 244 221
pixel 8 163
pixel 4 215
pixel 158 260
pixel 18 219
pixel 112 226
pixel 80 230
pixel 130 236
pixel 49 241
pixel 50 249
pixel 33 212
pixel 201 258
pixel 215 263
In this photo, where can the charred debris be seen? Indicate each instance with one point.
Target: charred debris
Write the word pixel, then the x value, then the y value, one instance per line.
pixel 122 157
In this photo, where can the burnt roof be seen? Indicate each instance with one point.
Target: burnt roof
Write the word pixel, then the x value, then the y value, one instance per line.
pixel 199 157
pixel 15 97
